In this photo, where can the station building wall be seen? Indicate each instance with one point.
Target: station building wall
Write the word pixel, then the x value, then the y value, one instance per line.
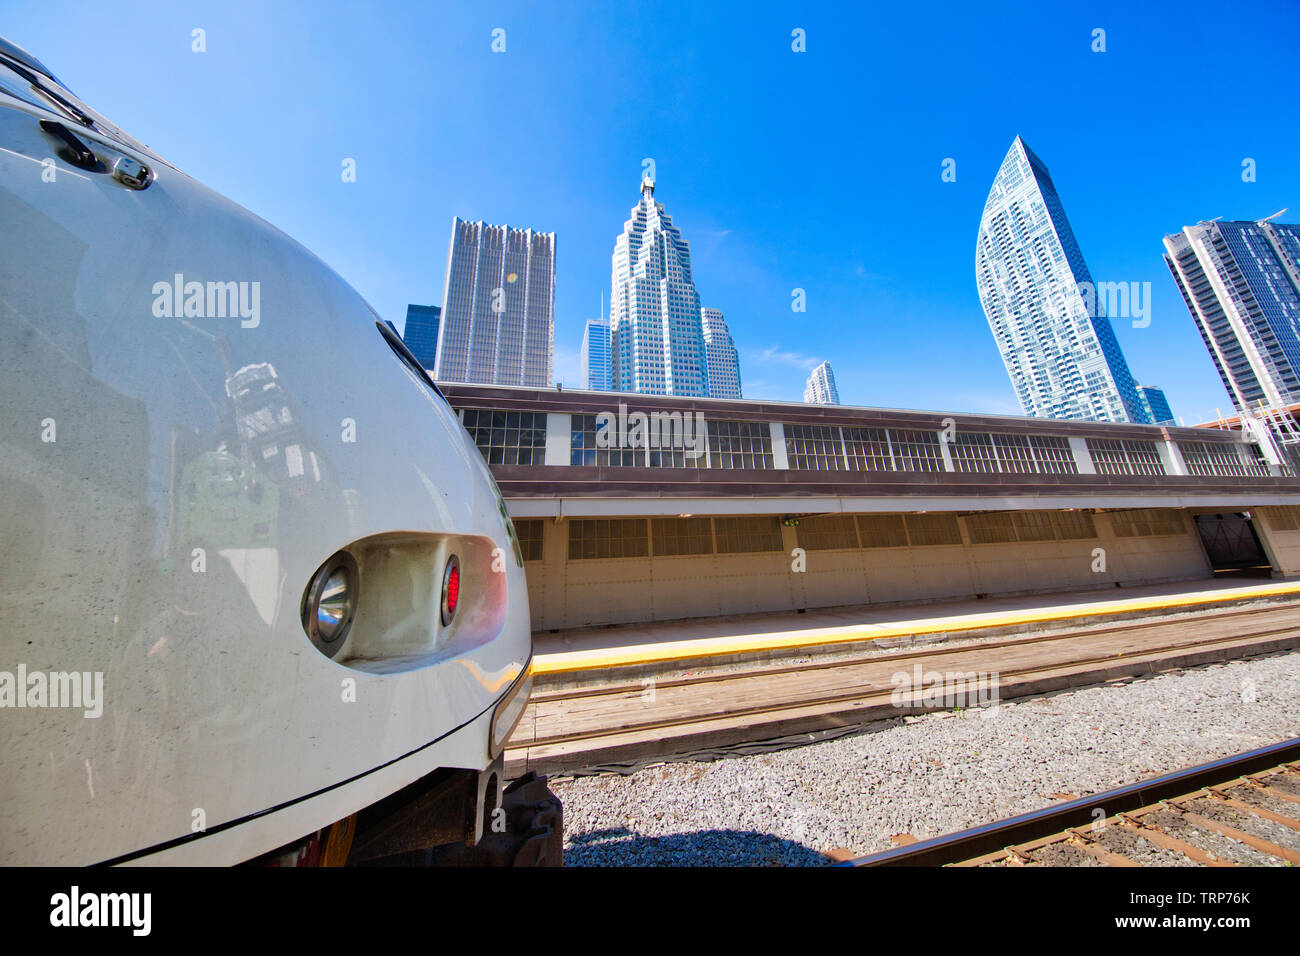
pixel 589 572
pixel 1278 528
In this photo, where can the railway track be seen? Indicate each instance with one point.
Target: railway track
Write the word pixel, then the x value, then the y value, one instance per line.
pixel 1239 811
pixel 627 723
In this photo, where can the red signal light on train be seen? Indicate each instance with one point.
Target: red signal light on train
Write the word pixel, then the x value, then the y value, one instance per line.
pixel 450 589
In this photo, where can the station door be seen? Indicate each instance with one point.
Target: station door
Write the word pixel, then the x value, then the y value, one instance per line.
pixel 1230 541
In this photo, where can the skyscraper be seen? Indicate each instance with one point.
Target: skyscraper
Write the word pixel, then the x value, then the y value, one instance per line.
pixel 657 336
pixel 1241 282
pixel 821 389
pixel 421 333
pixel 720 356
pixel 498 306
pixel 595 355
pixel 1156 405
pixel 1057 343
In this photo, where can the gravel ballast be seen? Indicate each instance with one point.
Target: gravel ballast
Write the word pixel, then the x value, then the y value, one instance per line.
pixel 929 774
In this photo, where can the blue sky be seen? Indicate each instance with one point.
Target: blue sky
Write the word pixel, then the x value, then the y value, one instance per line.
pixel 817 170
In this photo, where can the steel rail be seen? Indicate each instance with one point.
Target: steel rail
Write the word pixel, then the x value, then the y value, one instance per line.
pixel 993 837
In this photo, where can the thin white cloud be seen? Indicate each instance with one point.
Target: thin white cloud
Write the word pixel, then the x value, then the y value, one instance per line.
pixel 765 390
pixel 705 242
pixel 777 354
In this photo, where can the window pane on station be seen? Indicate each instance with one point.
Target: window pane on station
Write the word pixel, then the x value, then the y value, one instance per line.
pixel 1053 455
pixel 1283 517
pixel 671 536
pixel 882 531
pixel 1015 454
pixel 1257 464
pixel 1073 525
pixel 1128 524
pixel 1108 456
pixel 508 438
pixel 529 533
pixel 1034 526
pixel 1144 458
pixel 1112 456
pixel 932 529
pixel 677 441
pixel 828 532
pixel 591 538
pixel 992 528
pixel 585 451
pixel 1147 522
pixel 916 450
pixel 740 445
pixel 1167 521
pixel 749 533
pixel 814 447
pixel 973 452
pixel 1214 459
pixel 677 458
pixel 868 449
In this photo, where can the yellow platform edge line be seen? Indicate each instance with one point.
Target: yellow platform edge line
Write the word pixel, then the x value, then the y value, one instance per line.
pixel 565 662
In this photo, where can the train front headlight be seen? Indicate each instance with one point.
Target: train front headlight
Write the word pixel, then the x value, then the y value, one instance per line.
pixel 330 603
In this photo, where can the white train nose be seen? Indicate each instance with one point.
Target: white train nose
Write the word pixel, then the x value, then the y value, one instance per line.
pixel 230 501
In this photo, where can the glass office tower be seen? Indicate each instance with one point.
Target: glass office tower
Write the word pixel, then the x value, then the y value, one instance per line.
pixel 821 389
pixel 657 336
pixel 421 333
pixel 498 306
pixel 1241 283
pixel 1157 406
pixel 595 355
pixel 720 356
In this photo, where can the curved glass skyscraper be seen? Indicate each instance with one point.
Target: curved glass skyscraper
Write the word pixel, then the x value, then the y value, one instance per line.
pixel 1049 323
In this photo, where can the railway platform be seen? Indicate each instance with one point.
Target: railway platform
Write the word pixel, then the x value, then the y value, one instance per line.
pixel 636 651
pixel 631 695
